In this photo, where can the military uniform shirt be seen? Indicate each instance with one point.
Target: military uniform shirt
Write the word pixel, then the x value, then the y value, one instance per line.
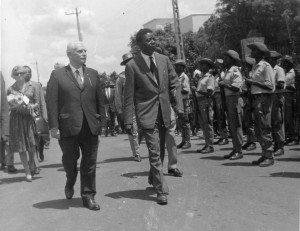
pixel 262 72
pixel 205 83
pixel 290 79
pixel 233 77
pixel 279 76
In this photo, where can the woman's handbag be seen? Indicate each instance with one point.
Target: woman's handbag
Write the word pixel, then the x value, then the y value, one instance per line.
pixel 41 126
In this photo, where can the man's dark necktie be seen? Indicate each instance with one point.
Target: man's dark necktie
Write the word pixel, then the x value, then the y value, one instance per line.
pixel 78 78
pixel 153 69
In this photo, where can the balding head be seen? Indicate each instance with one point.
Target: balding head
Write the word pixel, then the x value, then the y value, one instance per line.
pixel 76 52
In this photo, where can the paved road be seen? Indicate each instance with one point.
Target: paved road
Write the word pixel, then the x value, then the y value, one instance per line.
pixel 214 194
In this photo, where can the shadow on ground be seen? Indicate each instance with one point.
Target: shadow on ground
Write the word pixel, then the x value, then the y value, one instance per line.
pixel 16 179
pixel 137 194
pixel 212 158
pixel 59 204
pixel 288 159
pixel 238 164
pixel 135 174
pixel 286 174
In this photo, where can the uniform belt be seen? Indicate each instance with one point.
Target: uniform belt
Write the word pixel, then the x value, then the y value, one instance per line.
pixel 257 96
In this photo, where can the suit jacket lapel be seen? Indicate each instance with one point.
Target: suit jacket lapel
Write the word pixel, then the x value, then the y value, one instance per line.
pixel 159 66
pixel 71 76
pixel 141 62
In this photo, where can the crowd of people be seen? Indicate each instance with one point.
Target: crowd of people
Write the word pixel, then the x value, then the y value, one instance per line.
pixel 154 100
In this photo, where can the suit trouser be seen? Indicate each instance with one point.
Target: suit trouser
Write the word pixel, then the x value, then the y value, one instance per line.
pixel 262 107
pixel 88 143
pixel 171 146
pixel 111 123
pixel 205 106
pixel 153 138
pixel 278 120
pixel 248 120
pixel 290 115
pixel 134 139
pixel 235 113
pixel 220 115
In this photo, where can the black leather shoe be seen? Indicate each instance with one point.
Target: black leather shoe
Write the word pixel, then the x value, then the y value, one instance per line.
pixel 229 155
pixel 207 149
pixel 292 143
pixel 279 152
pixel 90 203
pixel 180 145
pixel 42 157
pixel 162 199
pixel 224 142
pixel 69 192
pixel 236 156
pixel 257 162
pixel 267 162
pixel 186 145
pixel 218 141
pixel 175 172
pixel 249 146
pixel 11 169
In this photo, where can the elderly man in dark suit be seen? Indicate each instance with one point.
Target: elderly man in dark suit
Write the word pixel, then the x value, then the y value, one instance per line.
pixel 150 80
pixel 75 106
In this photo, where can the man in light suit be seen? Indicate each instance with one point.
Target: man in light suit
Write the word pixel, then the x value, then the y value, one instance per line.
pixel 150 80
pixel 75 106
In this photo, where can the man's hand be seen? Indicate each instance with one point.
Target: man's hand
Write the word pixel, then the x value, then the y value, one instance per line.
pixel 180 114
pixel 4 138
pixel 55 133
pixel 129 129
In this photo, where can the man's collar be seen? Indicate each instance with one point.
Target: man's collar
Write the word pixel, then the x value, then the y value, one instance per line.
pixel 74 69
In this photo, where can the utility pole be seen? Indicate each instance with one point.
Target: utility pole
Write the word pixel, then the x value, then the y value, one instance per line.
pixel 178 35
pixel 77 19
pixel 37 70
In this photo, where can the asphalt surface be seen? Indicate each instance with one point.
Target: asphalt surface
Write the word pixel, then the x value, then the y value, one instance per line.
pixel 213 194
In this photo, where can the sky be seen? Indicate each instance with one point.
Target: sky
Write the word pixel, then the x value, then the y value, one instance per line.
pixel 38 31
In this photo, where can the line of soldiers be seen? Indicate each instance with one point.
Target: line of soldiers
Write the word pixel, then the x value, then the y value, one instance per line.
pixel 257 97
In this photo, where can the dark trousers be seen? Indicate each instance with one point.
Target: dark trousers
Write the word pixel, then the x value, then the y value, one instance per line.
pixel 111 122
pixel 235 114
pixel 88 143
pixel 262 107
pixel 278 120
pixel 153 138
pixel 248 120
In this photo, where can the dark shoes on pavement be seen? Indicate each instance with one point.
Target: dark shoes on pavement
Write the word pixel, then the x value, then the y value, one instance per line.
pixel 186 145
pixel 206 149
pixel 90 203
pixel 249 146
pixel 263 161
pixel 180 145
pixel 279 152
pixel 137 158
pixel 11 169
pixel 234 155
pixel 69 192
pixel 222 141
pixel 291 142
pixel 162 199
pixel 175 172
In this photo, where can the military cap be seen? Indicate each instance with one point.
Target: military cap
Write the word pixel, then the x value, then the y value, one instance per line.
pixel 180 62
pixel 126 57
pixel 288 59
pixel 260 46
pixel 275 54
pixel 208 61
pixel 234 55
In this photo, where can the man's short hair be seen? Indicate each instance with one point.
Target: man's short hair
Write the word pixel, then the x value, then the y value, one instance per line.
pixel 71 45
pixel 27 67
pixel 140 34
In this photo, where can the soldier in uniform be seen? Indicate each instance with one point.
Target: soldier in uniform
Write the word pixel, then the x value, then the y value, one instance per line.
pixel 185 92
pixel 262 85
pixel 290 98
pixel 232 84
pixel 204 92
pixel 277 120
pixel 219 107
